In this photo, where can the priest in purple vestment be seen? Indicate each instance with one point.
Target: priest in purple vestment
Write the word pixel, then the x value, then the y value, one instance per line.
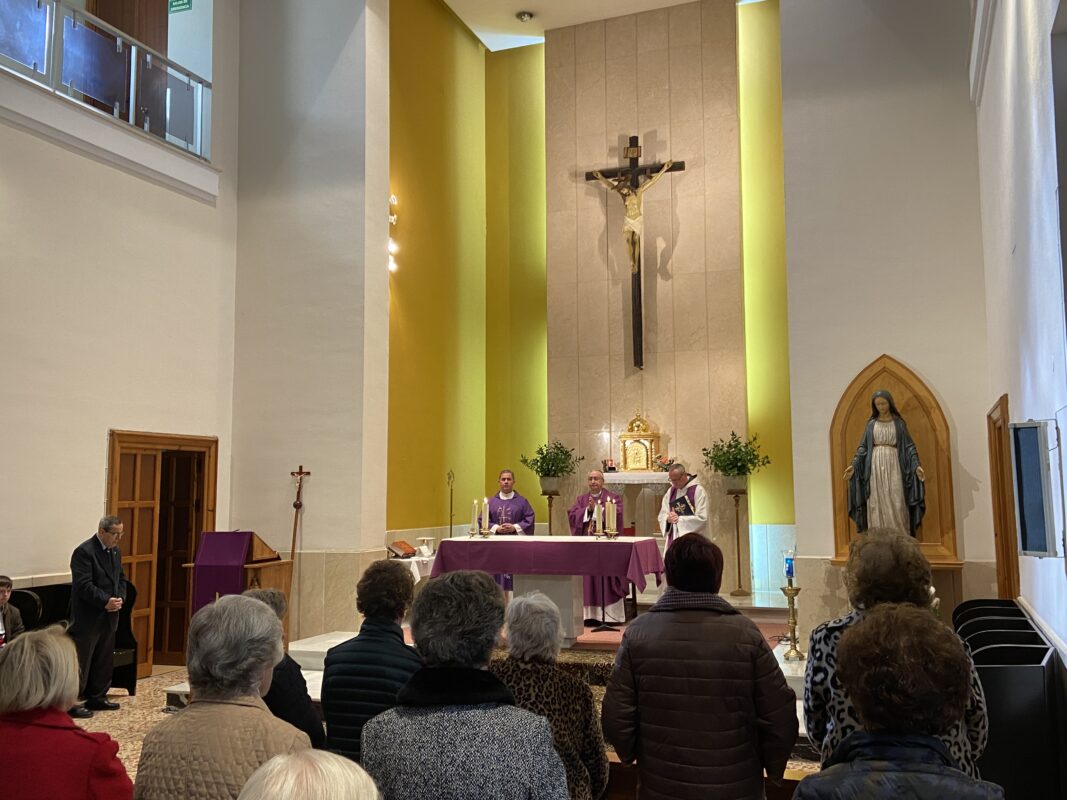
pixel 603 596
pixel 509 511
pixel 580 514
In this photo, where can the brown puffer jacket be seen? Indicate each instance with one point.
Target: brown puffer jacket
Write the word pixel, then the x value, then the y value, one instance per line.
pixel 698 699
pixel 211 748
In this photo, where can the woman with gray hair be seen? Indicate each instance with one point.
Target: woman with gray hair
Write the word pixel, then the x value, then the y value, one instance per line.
pixel 209 750
pixel 884 566
pixel 310 775
pixel 534 632
pixel 455 723
pixel 44 755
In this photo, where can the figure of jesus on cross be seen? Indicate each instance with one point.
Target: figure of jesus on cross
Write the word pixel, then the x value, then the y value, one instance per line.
pixel 626 182
pixel 633 227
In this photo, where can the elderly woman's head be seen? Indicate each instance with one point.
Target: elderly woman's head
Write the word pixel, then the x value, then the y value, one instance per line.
pixel 385 590
pixel 39 669
pixel 310 775
pixel 693 564
pixel 887 567
pixel 234 644
pixel 905 671
pixel 457 618
pixel 274 598
pixel 535 631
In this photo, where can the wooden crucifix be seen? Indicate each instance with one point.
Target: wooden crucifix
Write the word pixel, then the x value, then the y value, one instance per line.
pixel 300 474
pixel 626 181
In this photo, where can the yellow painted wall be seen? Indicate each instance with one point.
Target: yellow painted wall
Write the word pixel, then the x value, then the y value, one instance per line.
pixel 467 332
pixel 436 328
pixel 516 348
pixel 763 237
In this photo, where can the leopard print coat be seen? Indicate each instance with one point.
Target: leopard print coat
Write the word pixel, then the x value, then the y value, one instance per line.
pixel 567 704
pixel 830 716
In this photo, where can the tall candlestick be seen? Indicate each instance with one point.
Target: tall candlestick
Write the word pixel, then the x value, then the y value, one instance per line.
pixel 474 517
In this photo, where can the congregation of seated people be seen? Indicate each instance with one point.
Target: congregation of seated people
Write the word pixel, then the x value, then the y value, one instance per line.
pixel 696 699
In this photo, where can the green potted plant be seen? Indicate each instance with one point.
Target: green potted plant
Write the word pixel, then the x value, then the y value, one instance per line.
pixel 735 460
pixel 551 463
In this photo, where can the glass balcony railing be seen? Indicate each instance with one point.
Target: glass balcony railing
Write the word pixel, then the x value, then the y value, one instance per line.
pixel 81 57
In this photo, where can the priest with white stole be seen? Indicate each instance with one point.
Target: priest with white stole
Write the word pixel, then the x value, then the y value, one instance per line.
pixel 685 507
pixel 509 511
pixel 587 512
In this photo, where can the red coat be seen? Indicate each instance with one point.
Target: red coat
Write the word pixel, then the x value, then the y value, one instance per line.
pixel 45 756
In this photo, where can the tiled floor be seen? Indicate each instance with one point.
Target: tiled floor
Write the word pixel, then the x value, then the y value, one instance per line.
pixel 136 715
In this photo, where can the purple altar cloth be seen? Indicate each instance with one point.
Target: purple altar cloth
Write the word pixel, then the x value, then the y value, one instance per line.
pixel 621 562
pixel 219 565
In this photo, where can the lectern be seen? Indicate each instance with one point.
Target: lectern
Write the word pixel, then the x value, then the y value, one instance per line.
pixel 228 562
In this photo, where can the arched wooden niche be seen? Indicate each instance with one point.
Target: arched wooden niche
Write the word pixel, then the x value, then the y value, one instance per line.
pixel 928 427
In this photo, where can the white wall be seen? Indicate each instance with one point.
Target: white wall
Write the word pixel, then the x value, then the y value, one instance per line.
pixel 189 37
pixel 312 287
pixel 116 311
pixel 1021 239
pixel 883 241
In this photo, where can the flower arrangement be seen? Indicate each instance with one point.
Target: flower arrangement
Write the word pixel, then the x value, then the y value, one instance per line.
pixel 663 462
pixel 552 460
pixel 736 457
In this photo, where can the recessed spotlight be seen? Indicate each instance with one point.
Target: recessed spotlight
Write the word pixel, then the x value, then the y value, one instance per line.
pixel 524 16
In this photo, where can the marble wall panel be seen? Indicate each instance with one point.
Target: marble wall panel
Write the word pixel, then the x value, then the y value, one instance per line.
pixel 652 31
pixel 310 580
pixel 669 76
pixel 592 313
pixel 684 26
pixel 589 43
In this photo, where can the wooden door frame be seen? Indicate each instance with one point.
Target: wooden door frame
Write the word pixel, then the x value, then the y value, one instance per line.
pixel 120 440
pixel 1002 491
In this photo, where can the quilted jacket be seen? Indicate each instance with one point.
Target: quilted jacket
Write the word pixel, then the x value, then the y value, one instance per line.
pixel 698 699
pixel 869 766
pixel 210 749
pixel 361 679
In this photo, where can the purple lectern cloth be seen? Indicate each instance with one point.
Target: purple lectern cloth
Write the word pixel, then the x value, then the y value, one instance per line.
pixel 621 562
pixel 219 566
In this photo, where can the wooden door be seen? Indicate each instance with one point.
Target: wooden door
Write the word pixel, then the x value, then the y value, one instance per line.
pixel 133 494
pixel 180 521
pixel 1005 536
pixel 134 498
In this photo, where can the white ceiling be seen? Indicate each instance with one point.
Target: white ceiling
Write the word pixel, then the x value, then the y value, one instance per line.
pixel 494 21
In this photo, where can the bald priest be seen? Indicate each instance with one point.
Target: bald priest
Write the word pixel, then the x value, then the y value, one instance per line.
pixel 603 596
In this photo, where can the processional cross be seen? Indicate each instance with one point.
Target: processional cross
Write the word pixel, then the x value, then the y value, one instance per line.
pixel 300 474
pixel 627 182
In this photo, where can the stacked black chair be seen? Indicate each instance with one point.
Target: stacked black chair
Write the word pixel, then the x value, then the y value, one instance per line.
pixel 1021 674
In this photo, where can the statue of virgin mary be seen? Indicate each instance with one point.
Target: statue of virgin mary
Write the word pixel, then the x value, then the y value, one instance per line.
pixel 885 480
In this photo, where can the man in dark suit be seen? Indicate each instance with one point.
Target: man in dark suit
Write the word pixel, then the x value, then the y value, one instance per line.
pixel 98 590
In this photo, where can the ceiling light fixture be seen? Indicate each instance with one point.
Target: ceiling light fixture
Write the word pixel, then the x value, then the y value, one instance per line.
pixel 524 16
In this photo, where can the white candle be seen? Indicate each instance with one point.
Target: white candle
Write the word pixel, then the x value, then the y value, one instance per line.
pixel 611 514
pixel 599 517
pixel 485 513
pixel 474 515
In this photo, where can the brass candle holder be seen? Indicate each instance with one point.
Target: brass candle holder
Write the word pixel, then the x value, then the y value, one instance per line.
pixel 485 533
pixel 790 591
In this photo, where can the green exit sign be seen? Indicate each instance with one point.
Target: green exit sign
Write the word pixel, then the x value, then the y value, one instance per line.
pixel 179 5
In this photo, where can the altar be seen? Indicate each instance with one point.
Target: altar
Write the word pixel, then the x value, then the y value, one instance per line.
pixel 555 565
